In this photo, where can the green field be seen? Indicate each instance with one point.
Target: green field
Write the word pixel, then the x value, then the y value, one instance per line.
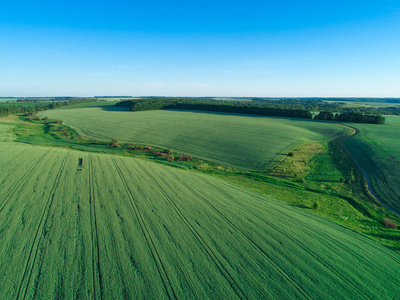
pixel 123 228
pixel 392 120
pixel 247 142
pixel 377 148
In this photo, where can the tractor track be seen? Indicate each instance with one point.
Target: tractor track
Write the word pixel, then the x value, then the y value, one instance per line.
pixel 247 239
pixel 37 238
pixel 113 241
pixel 296 241
pixel 96 267
pixel 235 286
pixel 154 252
pixel 321 235
pixel 367 179
pixel 15 187
pixel 182 268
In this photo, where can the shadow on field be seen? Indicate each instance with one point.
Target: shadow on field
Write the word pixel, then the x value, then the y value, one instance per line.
pixel 300 206
pixel 386 236
pixel 241 115
pixel 112 108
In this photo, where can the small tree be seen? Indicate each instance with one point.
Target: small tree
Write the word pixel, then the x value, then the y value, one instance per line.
pixel 114 142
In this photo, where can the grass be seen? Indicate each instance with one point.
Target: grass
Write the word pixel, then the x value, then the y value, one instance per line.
pixel 246 142
pixel 311 176
pixel 377 148
pixel 127 228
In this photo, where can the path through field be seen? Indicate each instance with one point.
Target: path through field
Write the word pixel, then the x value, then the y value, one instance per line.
pixel 377 150
pixel 368 181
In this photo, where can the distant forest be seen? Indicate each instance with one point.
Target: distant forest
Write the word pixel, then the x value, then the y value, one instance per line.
pixel 296 108
pixel 10 109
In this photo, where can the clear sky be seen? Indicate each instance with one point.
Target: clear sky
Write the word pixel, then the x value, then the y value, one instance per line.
pixel 200 48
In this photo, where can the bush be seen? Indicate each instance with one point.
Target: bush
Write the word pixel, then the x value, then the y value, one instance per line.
pixel 389 223
pixel 138 148
pixel 184 158
pixel 315 205
pixel 168 151
pixel 290 154
pixel 130 146
pixel 170 158
pixel 342 179
pixel 114 142
pixel 148 148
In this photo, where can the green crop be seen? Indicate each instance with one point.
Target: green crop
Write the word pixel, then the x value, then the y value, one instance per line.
pixel 377 148
pixel 90 226
pixel 246 142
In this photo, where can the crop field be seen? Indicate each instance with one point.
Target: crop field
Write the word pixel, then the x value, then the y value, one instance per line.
pixel 247 142
pixel 81 225
pixel 377 148
pixel 392 120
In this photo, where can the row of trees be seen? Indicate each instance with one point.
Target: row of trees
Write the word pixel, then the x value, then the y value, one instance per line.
pixel 279 108
pixel 216 106
pixel 353 117
pixel 12 109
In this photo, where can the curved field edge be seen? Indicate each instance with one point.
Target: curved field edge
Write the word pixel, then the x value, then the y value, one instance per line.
pixel 377 148
pixel 126 228
pixel 240 141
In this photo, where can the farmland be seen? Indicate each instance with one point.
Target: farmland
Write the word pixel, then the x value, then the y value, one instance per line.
pixel 127 228
pixel 392 120
pixel 246 142
pixel 377 148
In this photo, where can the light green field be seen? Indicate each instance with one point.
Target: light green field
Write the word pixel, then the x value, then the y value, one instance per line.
pixel 5 136
pixel 377 148
pixel 128 229
pixel 392 120
pixel 365 104
pixel 247 142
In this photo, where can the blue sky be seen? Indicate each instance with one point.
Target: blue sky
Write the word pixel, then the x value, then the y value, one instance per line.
pixel 200 48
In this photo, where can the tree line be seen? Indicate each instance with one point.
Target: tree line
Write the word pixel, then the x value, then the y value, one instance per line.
pixel 13 109
pixel 280 108
pixel 353 117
